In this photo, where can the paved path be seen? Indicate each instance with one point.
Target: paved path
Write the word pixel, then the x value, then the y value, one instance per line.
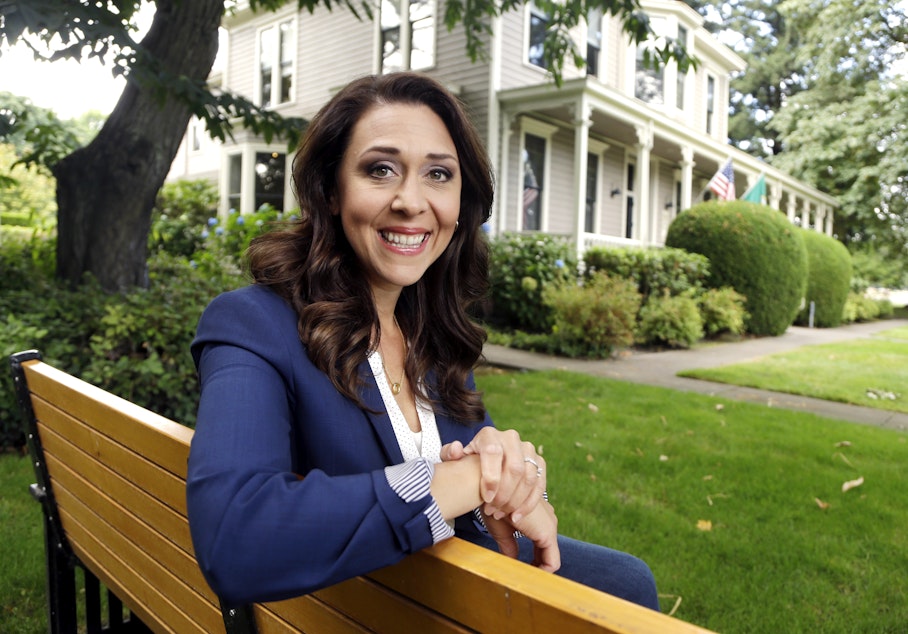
pixel 661 368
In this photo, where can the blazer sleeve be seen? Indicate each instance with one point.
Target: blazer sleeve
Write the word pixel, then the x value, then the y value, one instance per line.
pixel 261 531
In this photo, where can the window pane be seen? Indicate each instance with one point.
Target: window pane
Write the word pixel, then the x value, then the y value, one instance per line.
pixel 533 167
pixel 266 57
pixel 538 25
pixel 649 82
pixel 593 41
pixel 286 61
pixel 592 180
pixel 710 103
pixel 269 179
pixel 234 180
pixel 422 34
pixel 390 37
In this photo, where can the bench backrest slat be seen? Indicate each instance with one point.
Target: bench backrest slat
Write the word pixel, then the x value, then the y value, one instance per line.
pixel 117 474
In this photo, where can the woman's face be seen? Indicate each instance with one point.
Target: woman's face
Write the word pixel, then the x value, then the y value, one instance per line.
pixel 399 193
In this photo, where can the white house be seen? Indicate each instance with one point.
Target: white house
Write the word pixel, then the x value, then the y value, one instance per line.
pixel 610 157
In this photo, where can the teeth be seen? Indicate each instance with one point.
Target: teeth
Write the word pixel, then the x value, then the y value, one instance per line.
pixel 402 240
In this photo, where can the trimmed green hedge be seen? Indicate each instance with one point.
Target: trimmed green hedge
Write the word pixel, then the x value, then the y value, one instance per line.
pixel 753 249
pixel 829 274
pixel 655 271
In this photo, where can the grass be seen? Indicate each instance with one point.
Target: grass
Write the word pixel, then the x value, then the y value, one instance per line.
pixel 723 500
pixel 649 470
pixel 22 594
pixel 871 372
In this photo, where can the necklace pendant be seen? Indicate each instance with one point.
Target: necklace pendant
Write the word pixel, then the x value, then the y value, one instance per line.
pixel 395 389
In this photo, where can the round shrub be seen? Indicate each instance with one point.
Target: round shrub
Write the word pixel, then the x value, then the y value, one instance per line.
pixel 828 279
pixel 521 267
pixel 722 311
pixel 670 320
pixel 753 249
pixel 593 319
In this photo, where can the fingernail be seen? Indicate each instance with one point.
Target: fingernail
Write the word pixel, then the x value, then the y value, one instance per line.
pixel 498 515
pixel 516 517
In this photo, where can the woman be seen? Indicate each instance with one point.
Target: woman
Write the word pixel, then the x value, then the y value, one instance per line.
pixel 339 428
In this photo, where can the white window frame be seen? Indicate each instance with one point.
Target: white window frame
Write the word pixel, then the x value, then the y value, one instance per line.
pixel 276 74
pixel 545 131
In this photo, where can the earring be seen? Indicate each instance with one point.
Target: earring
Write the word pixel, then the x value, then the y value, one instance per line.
pixel 456 225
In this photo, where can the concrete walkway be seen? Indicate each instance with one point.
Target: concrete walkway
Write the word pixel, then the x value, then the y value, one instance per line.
pixel 661 368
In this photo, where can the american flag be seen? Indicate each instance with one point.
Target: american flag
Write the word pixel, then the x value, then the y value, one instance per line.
pixel 723 183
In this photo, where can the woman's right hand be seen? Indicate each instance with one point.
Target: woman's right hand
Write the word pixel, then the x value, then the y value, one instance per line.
pixel 540 526
pixel 513 474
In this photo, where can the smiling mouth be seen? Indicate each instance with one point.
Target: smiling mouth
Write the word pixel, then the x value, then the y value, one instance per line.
pixel 404 241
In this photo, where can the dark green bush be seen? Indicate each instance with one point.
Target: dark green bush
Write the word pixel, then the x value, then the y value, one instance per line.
pixel 753 249
pixel 179 219
pixel 135 345
pixel 140 350
pixel 828 279
pixel 722 311
pixel 593 319
pixel 670 320
pixel 520 268
pixel 655 271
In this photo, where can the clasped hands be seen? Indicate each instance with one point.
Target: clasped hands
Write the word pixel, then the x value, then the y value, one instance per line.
pixel 512 482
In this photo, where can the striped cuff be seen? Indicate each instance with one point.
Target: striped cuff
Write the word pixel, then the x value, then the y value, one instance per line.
pixel 411 481
pixel 477 513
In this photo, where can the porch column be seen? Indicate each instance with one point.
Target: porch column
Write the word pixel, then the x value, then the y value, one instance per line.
pixel 582 123
pixel 792 205
pixel 644 208
pixel 805 214
pixel 829 221
pixel 774 195
pixel 687 177
pixel 820 222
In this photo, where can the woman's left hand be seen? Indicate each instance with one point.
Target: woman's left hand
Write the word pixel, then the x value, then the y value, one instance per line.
pixel 513 475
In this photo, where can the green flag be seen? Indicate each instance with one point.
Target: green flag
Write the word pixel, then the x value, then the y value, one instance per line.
pixel 757 193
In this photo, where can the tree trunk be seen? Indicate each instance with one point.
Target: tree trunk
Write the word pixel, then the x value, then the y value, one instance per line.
pixel 106 190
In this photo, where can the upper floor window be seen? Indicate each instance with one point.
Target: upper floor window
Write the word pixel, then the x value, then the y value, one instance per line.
pixel 710 104
pixel 277 53
pixel 407 45
pixel 649 82
pixel 593 41
pixel 539 24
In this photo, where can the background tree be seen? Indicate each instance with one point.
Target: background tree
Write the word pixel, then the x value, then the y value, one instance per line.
pixel 823 100
pixel 106 190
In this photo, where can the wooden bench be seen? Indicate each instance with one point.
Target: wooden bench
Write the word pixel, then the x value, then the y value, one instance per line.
pixel 111 478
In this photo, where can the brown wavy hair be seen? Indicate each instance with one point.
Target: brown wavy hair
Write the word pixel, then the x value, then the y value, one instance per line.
pixel 312 265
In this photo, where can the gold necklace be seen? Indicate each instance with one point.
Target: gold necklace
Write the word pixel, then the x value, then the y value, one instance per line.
pixel 395 386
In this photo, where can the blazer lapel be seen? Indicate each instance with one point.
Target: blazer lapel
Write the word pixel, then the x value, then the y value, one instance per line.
pixel 378 415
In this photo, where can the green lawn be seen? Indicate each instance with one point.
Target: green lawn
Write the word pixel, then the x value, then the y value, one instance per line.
pixel 648 470
pixel 870 372
pixel 22 598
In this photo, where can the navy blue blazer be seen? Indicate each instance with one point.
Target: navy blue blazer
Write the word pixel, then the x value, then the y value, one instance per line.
pixel 286 491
